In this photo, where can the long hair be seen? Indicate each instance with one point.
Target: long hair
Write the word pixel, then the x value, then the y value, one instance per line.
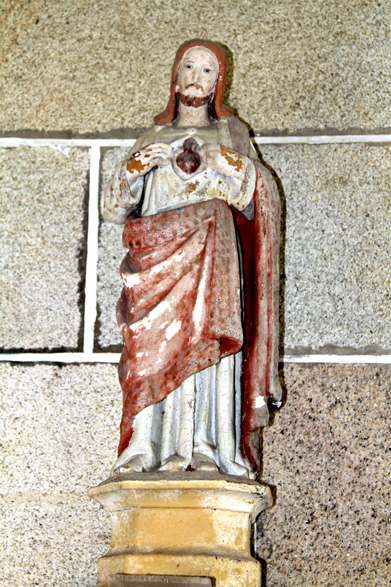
pixel 216 108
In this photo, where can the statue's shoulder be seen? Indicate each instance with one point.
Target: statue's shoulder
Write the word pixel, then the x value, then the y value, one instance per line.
pixel 235 124
pixel 240 136
pixel 147 137
pixel 241 142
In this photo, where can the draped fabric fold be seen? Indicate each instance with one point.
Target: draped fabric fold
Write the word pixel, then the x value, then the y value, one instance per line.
pixel 180 309
pixel 260 242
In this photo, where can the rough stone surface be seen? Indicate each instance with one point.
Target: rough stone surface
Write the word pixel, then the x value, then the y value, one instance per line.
pixel 61 426
pixel 337 252
pixel 59 430
pixel 327 454
pixel 51 541
pixel 111 253
pixel 305 64
pixel 42 220
pixel 336 287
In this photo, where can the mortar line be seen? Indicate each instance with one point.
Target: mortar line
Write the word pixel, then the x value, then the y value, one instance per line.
pixel 18 142
pixel 322 139
pixel 91 357
pixel 92 245
pixel 338 359
pixel 92 251
pixel 64 357
pixel 260 140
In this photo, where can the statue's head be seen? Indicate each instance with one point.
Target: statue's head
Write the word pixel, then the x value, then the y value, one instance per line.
pixel 198 77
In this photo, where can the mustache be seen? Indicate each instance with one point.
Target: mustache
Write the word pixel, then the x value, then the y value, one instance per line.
pixel 197 86
pixel 193 101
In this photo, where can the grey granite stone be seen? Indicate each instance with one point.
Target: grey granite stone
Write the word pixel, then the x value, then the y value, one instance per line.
pixel 59 433
pixel 60 427
pixel 297 65
pixel 51 542
pixel 111 253
pixel 337 252
pixel 42 222
pixel 336 290
pixel 327 453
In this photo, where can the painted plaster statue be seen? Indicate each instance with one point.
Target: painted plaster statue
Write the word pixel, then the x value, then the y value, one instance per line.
pixel 199 306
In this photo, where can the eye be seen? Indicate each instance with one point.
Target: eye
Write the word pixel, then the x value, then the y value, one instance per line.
pixel 207 69
pixel 188 66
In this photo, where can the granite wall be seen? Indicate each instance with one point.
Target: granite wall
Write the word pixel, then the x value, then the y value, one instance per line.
pixel 311 77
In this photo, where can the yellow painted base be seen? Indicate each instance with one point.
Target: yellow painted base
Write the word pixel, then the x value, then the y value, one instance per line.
pixel 182 525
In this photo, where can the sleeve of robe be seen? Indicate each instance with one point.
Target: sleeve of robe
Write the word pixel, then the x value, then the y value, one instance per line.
pixel 120 189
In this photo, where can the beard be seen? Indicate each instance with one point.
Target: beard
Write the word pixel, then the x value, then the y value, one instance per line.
pixel 194 101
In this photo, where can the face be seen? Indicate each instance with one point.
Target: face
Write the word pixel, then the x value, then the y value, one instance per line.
pixel 197 72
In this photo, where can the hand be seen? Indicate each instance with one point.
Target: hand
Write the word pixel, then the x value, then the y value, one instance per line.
pixel 156 154
pixel 117 197
pixel 224 160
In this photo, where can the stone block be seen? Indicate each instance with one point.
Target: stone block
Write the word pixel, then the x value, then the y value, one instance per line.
pixel 60 427
pixel 111 253
pixel 51 541
pixel 59 431
pixel 336 287
pixel 42 248
pixel 296 65
pixel 326 453
pixel 327 456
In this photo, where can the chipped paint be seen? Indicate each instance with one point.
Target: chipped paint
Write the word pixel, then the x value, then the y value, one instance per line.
pixel 162 346
pixel 131 279
pixel 259 402
pixel 233 159
pixel 173 329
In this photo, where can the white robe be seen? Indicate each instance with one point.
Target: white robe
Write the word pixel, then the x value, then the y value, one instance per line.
pixel 201 418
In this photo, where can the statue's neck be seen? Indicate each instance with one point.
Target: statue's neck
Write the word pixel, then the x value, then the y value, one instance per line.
pixel 190 116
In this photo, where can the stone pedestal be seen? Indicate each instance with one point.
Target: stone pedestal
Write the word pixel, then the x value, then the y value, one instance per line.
pixel 181 525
